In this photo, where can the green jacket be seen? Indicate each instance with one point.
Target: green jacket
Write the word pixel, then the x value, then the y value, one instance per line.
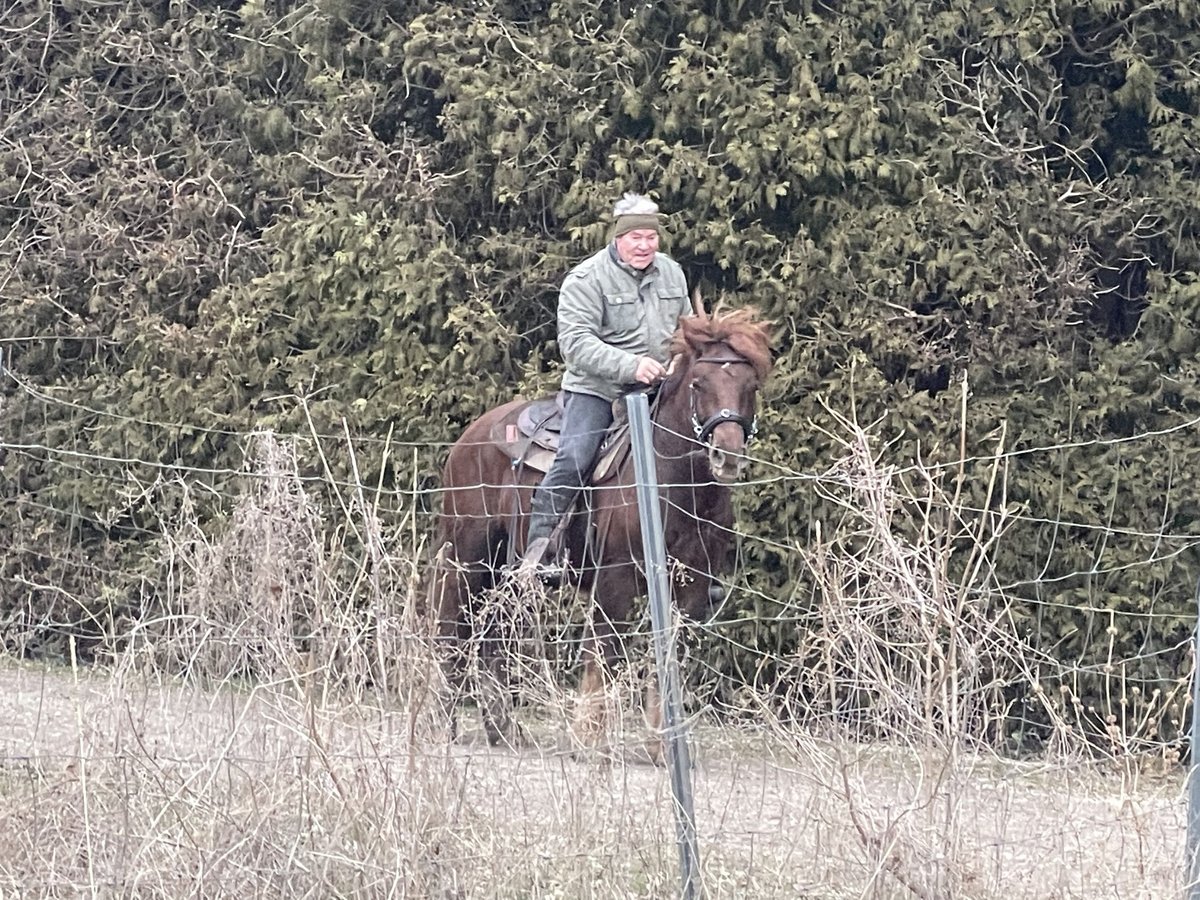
pixel 609 314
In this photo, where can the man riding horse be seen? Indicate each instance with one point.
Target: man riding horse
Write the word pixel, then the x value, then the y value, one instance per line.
pixel 622 315
pixel 617 311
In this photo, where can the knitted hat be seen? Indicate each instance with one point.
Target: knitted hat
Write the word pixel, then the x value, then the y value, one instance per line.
pixel 634 211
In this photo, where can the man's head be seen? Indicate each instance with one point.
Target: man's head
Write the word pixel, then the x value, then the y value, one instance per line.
pixel 635 230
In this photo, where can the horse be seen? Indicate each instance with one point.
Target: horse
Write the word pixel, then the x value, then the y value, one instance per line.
pixel 703 417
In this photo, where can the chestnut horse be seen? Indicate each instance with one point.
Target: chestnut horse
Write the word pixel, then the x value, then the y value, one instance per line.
pixel 703 418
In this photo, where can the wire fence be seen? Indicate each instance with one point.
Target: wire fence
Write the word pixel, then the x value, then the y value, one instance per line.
pixel 128 474
pixel 273 717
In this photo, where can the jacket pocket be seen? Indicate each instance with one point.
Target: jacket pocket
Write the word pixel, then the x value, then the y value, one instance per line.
pixel 674 299
pixel 622 311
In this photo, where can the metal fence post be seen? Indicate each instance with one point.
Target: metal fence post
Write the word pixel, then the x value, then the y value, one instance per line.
pixel 655 554
pixel 1193 835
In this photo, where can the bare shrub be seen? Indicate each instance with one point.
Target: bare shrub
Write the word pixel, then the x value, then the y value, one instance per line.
pixel 314 761
pixel 243 602
pixel 278 597
pixel 913 640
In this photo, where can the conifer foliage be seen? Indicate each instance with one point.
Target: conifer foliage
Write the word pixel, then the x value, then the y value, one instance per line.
pixel 337 217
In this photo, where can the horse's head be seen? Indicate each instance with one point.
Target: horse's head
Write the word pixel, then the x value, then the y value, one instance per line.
pixel 722 362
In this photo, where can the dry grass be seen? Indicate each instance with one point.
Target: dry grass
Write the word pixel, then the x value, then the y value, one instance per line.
pixel 119 785
pixel 279 732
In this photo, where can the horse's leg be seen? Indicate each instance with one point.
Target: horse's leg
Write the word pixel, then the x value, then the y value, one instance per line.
pixel 496 637
pixel 693 597
pixel 612 600
pixel 446 599
pixel 592 712
pixel 461 587
pixel 656 740
pixel 496 701
pixel 600 660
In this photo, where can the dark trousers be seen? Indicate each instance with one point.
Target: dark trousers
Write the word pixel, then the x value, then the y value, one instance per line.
pixel 585 421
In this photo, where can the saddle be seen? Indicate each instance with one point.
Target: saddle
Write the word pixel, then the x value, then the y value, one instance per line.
pixel 530 433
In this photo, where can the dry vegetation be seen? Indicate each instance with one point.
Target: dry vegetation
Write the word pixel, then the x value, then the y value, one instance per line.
pixel 121 785
pixel 218 756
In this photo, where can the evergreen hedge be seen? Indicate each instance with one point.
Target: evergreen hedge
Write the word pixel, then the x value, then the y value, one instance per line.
pixel 337 217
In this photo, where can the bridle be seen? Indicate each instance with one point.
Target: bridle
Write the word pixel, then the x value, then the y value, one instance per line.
pixel 704 430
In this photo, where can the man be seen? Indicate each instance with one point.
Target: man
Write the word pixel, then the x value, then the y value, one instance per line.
pixel 616 314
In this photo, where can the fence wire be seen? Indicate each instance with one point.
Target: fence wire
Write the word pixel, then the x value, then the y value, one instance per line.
pixel 274 714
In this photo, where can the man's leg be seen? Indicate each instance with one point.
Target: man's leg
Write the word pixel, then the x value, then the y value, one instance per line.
pixel 585 422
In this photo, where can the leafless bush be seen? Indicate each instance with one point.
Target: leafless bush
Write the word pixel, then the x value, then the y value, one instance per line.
pixel 913 640
pixel 279 730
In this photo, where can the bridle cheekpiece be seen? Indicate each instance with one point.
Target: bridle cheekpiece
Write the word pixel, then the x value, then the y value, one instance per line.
pixel 704 430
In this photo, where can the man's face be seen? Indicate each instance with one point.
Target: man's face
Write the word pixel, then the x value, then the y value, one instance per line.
pixel 637 247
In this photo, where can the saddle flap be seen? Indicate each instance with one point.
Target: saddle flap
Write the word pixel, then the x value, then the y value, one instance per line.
pixel 530 434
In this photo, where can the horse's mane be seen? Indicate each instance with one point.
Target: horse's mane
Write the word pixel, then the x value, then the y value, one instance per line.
pixel 742 330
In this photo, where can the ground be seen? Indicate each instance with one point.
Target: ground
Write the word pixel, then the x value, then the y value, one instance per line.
pixel 121 784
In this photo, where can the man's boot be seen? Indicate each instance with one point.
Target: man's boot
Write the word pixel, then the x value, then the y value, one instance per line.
pixel 540 559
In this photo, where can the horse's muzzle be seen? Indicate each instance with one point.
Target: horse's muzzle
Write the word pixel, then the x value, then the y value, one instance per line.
pixel 727 467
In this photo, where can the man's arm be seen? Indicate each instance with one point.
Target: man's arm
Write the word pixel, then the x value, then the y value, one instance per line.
pixel 580 317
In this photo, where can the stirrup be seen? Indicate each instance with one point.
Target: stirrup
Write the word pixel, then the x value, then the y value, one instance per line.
pixel 534 565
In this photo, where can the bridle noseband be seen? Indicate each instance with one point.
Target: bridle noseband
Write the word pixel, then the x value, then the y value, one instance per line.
pixel 704 430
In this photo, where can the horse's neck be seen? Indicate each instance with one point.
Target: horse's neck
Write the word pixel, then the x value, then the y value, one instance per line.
pixel 672 433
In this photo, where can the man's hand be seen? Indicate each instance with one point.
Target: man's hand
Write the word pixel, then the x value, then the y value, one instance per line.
pixel 649 370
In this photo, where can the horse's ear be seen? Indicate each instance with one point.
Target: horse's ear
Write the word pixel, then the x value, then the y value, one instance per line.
pixel 697 302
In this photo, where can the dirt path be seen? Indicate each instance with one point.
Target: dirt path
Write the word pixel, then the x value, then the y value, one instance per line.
pixel 125 786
